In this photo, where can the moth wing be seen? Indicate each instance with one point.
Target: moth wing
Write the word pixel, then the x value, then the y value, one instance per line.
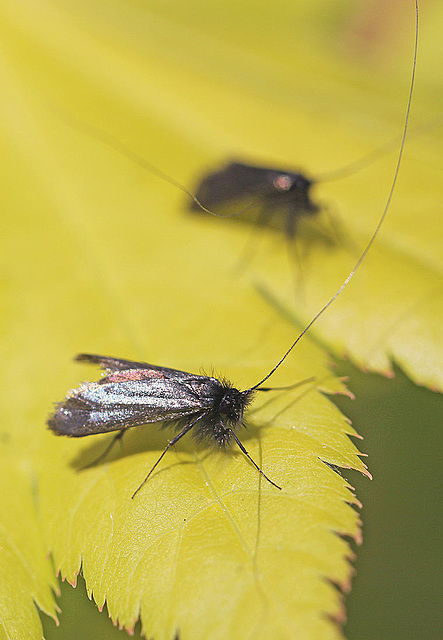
pixel 235 182
pixel 130 398
pixel 119 364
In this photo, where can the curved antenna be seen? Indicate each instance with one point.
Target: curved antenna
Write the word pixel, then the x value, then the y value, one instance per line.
pixel 372 156
pixel 109 140
pixel 380 222
pixel 356 165
pixel 335 174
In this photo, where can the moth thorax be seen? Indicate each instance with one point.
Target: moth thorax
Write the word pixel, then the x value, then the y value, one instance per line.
pixel 232 404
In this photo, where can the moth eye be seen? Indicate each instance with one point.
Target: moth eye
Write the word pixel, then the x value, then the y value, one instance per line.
pixel 282 183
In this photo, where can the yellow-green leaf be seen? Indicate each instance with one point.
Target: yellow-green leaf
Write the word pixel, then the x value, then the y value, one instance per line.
pixel 207 544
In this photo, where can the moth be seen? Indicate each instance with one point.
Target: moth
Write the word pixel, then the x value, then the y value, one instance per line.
pixel 136 393
pixel 281 197
pixel 273 198
pixel 266 197
pixel 269 190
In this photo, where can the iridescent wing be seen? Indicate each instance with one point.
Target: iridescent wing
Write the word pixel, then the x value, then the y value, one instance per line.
pixel 131 396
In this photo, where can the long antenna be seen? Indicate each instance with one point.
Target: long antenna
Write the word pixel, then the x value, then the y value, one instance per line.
pixel 356 165
pixel 380 222
pixel 327 176
pixel 109 140
pixel 372 156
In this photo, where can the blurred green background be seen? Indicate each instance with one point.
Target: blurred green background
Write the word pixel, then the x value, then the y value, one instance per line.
pixel 397 589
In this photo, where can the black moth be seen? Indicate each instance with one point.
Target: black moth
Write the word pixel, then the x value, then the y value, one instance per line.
pixel 137 393
pixel 259 188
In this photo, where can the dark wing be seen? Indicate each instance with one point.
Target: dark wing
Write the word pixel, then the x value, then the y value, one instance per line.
pixel 119 364
pixel 235 182
pixel 132 397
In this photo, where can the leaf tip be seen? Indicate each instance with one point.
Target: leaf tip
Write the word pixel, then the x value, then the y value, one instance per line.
pixel 339 617
pixel 72 581
pixel 366 472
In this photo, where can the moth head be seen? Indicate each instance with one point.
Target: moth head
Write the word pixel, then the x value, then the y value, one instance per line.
pixel 232 404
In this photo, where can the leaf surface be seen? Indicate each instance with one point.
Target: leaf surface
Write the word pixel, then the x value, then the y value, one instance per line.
pixel 26 572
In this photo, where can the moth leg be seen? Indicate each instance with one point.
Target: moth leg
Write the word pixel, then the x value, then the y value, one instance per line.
pixel 296 267
pixel 170 444
pixel 249 458
pixel 248 251
pixel 291 221
pixel 103 455
pixel 342 237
